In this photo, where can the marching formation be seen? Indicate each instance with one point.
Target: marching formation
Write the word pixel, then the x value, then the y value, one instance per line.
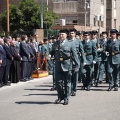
pixel 85 60
pixel 70 58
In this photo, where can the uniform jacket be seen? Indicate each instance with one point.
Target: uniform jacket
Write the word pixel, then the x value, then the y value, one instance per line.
pixel 101 54
pixel 44 49
pixel 113 47
pixel 80 50
pixel 67 51
pixel 91 51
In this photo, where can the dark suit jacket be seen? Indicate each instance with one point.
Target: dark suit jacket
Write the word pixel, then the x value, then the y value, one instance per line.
pixel 15 53
pixel 8 54
pixel 2 56
pixel 24 51
pixel 30 52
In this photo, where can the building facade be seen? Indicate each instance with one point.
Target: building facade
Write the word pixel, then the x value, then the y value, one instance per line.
pixel 100 14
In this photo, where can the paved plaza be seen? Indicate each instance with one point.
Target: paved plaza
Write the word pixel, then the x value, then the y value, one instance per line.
pixel 33 100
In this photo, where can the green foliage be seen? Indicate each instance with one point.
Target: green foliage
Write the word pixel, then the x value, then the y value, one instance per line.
pixel 26 17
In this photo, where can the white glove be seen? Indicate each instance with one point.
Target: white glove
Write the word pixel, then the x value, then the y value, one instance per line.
pixel 107 53
pixel 99 49
pixel 94 62
pixel 76 69
pixel 84 64
pixel 48 57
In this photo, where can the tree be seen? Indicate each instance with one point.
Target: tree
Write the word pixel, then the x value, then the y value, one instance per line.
pixel 26 16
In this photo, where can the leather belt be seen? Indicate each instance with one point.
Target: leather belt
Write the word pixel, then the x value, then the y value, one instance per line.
pixel 86 54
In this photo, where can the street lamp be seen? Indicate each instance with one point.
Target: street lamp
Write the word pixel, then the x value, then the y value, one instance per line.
pixel 85 7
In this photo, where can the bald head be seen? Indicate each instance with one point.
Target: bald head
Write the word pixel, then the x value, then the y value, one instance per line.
pixel 1 41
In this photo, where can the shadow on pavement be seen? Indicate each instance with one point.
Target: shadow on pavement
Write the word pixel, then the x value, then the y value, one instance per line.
pixel 43 85
pixel 42 94
pixel 39 89
pixel 31 102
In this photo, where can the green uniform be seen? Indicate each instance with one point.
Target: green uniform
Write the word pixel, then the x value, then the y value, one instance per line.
pixel 63 66
pixel 113 47
pixel 80 52
pixel 44 52
pixel 102 61
pixel 90 56
pixel 50 61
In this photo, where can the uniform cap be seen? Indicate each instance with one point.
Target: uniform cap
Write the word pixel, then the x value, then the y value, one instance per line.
pixel 86 33
pixel 64 31
pixel 113 31
pixel 73 30
pixel 105 33
pixel 94 32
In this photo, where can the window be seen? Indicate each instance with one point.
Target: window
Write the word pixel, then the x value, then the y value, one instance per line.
pixel 114 4
pixel 102 2
pixel 94 21
pixel 115 23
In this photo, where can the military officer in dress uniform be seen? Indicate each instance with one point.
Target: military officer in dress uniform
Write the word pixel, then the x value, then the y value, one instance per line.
pixel 64 51
pixel 95 66
pixel 102 58
pixel 50 61
pixel 113 53
pixel 44 53
pixel 80 52
pixel 90 52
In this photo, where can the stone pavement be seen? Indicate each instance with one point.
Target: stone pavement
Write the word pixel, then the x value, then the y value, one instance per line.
pixel 33 100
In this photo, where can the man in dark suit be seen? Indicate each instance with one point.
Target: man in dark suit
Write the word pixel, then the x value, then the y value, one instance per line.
pixel 2 61
pixel 25 56
pixel 9 59
pixel 30 60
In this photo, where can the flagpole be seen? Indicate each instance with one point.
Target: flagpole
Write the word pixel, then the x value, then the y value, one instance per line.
pixel 7 14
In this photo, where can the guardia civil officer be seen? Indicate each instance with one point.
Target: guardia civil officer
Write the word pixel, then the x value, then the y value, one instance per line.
pixel 94 38
pixel 44 53
pixel 62 50
pixel 90 52
pixel 102 58
pixel 113 52
pixel 80 53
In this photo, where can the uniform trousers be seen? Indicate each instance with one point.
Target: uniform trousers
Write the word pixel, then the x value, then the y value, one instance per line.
pixel 63 84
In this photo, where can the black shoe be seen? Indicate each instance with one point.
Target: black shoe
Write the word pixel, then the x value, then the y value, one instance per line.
pixel 96 84
pixel 52 89
pixel 73 93
pixel 1 85
pixel 7 84
pixel 23 80
pixel 83 88
pixel 115 89
pixel 110 88
pixel 65 102
pixel 100 82
pixel 58 101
